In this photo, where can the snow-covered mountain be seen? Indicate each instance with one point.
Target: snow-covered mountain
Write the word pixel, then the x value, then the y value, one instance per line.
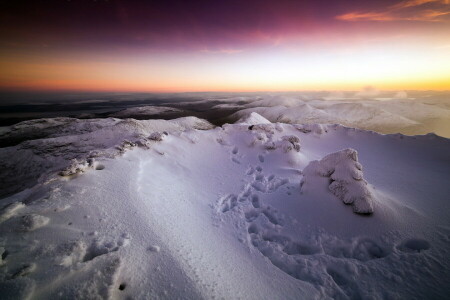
pixel 109 208
pixel 145 112
pixel 390 116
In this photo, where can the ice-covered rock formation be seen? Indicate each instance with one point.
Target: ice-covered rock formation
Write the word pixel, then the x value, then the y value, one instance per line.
pixel 345 179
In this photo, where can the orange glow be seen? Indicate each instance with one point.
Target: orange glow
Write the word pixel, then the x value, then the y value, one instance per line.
pixel 271 70
pixel 279 46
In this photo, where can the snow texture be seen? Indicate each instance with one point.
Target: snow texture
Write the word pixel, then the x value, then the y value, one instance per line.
pixel 117 209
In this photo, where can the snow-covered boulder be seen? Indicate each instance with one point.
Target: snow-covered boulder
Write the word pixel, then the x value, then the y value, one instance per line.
pixel 76 167
pixel 158 136
pixel 345 179
pixel 287 143
pixel 268 128
pixel 314 128
pixel 290 142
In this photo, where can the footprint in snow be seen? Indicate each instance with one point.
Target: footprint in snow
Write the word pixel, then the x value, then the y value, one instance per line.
pixel 3 255
pixel 261 158
pixel 100 247
pixel 154 248
pixel 228 202
pixel 255 201
pixel 414 246
pixel 250 171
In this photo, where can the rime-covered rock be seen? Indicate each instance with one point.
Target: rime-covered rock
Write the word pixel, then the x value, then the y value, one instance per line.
pixel 314 128
pixel 75 167
pixel 158 136
pixel 345 179
pixel 287 143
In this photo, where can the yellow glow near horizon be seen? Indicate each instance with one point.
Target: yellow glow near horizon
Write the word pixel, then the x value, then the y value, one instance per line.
pixel 269 70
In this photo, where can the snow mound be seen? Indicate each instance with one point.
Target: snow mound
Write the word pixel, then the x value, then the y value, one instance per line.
pixel 145 111
pixel 346 179
pixel 253 119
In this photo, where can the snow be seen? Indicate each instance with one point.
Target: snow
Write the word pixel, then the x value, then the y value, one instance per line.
pixel 39 148
pixel 178 209
pixel 398 114
pixel 145 111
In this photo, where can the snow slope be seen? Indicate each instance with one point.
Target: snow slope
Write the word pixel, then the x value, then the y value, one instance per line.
pixel 41 147
pixel 220 213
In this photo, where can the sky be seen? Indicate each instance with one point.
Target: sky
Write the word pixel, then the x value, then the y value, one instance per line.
pixel 224 45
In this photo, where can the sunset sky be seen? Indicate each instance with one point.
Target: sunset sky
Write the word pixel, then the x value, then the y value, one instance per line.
pixel 215 45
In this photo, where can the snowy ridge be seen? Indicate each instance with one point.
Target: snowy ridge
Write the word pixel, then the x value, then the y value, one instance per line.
pixel 394 115
pixel 145 111
pixel 166 211
pixel 45 146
